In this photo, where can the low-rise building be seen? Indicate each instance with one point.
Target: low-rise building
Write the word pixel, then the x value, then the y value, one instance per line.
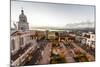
pixel 88 39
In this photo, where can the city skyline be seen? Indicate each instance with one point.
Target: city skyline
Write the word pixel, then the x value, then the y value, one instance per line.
pixel 48 33
pixel 53 15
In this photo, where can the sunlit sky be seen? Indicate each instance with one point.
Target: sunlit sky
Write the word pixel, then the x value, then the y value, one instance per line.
pixel 50 14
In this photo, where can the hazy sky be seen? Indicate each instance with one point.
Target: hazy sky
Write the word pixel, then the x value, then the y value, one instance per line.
pixel 49 14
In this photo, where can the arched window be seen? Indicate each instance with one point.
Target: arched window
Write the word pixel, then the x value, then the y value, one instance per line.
pixel 23 20
pixel 22 28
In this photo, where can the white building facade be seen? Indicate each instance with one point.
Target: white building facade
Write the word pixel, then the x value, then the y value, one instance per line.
pixel 88 38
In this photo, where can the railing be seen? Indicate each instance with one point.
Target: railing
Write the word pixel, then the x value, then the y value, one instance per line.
pixel 23 57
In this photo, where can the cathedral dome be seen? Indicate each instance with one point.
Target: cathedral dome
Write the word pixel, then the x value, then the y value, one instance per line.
pixel 22 17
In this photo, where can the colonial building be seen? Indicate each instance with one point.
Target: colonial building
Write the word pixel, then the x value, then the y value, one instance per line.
pixel 22 41
pixel 23 24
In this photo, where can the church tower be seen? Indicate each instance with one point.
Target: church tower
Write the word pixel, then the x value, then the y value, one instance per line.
pixel 22 23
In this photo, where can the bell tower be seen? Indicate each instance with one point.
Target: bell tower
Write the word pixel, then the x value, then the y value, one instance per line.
pixel 22 23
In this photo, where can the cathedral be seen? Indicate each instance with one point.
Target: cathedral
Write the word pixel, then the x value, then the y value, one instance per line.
pixel 22 23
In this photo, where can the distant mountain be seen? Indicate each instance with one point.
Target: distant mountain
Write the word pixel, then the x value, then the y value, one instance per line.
pixel 81 25
pixel 74 26
pixel 55 28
